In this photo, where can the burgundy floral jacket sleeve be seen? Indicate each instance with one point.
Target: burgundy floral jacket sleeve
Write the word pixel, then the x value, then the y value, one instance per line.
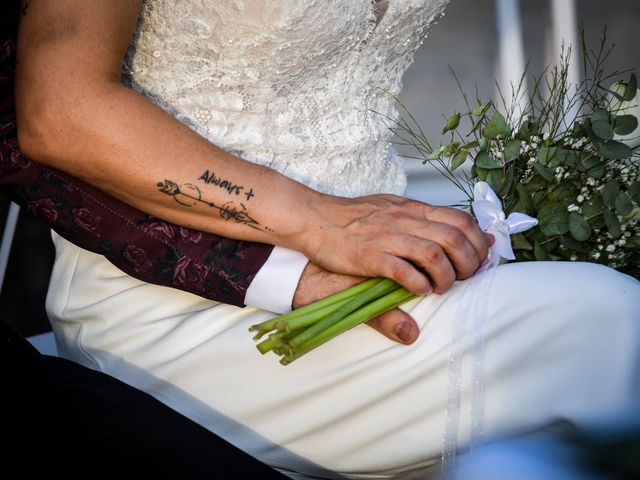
pixel 147 248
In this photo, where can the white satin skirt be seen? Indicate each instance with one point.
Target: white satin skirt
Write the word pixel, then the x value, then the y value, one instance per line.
pixel 561 343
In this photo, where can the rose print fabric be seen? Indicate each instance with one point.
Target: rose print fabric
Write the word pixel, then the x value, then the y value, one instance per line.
pixel 142 246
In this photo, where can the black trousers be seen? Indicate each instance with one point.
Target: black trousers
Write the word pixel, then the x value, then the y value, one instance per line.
pixel 63 418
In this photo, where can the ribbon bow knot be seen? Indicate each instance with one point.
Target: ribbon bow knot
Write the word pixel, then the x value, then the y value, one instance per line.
pixel 487 208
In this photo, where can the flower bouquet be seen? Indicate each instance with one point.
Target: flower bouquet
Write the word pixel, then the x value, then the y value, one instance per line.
pixel 579 177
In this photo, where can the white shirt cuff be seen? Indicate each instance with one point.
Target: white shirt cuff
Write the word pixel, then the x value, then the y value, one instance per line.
pixel 274 285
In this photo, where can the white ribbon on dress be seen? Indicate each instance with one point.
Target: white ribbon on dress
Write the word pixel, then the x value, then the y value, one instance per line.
pixel 471 318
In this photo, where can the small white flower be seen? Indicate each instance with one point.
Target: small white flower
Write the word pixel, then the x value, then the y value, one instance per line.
pixel 573 208
pixel 596 255
pixel 580 198
pixel 610 248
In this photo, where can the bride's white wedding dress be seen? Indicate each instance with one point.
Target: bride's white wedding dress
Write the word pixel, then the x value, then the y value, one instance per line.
pixel 293 84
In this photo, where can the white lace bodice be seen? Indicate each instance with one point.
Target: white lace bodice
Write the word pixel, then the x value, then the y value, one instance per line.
pixel 298 85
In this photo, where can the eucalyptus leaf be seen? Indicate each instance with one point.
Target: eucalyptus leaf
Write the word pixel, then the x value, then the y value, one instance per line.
pixel 572 244
pixel 593 166
pixel 540 253
pixel 512 150
pixel 535 183
pixel 603 130
pixel 507 184
pixel 482 172
pixel 614 150
pixel 544 172
pixel 601 124
pixel 565 192
pixel 623 204
pixel 632 88
pixel 553 219
pixel 593 207
pixel 495 178
pixel 496 127
pixel 459 158
pixel 634 192
pixel 546 154
pixel 524 197
pixel 571 159
pixel 625 124
pixel 589 131
pixel 552 156
pixel 600 115
pixel 486 161
pixel 538 196
pixel 613 223
pixel 472 144
pixel 579 227
pixel 610 192
pixel 520 242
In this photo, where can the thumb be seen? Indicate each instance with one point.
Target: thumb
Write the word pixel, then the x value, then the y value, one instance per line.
pixel 396 325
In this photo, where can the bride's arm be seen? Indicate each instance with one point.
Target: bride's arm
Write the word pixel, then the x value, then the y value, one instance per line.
pixel 74 115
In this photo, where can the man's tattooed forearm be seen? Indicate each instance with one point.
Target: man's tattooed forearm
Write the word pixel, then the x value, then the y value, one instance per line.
pixel 189 195
pixel 233 189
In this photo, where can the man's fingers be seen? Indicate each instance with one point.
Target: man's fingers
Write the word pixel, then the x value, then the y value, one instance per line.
pixel 397 326
pixel 465 223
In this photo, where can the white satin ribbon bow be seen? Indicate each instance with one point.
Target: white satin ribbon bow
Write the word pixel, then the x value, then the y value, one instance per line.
pixel 488 211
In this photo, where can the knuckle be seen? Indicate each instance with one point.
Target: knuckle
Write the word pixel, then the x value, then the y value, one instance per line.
pixel 400 271
pixel 433 253
pixel 465 221
pixel 454 238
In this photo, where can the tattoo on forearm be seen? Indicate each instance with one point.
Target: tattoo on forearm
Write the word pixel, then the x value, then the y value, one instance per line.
pixel 233 189
pixel 189 195
pixel 25 6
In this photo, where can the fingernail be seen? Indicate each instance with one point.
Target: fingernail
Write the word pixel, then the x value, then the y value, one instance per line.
pixel 429 290
pixel 405 331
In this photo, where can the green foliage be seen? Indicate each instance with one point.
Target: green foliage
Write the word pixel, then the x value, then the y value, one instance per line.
pixel 579 180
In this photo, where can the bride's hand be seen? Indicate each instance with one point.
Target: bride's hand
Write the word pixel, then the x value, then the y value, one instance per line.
pixel 424 248
pixel 316 283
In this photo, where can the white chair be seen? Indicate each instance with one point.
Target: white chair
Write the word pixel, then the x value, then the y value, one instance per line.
pixel 511 51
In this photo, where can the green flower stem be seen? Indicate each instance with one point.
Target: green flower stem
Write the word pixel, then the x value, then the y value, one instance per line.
pixel 371 310
pixel 379 289
pixel 274 340
pixel 267 326
pixel 289 329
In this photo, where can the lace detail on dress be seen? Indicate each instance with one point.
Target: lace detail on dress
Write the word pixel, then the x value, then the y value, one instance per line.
pixel 299 86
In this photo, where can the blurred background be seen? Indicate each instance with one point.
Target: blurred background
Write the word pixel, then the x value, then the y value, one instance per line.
pixel 465 39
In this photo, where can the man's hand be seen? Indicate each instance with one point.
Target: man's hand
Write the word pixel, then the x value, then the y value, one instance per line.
pixel 423 247
pixel 316 283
